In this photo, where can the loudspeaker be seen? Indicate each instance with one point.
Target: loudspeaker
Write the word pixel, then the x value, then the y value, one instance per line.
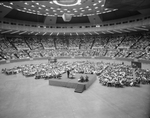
pixel 66 17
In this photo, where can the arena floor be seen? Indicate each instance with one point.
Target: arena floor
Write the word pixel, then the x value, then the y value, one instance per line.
pixel 22 97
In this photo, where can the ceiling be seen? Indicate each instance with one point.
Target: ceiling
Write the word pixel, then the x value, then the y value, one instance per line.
pixel 53 8
pixel 38 11
pixel 82 11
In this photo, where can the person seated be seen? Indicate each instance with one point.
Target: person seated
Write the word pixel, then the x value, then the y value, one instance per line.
pixel 81 79
pixel 86 78
pixel 72 74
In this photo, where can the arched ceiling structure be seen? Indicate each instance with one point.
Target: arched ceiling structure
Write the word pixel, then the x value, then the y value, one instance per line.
pixel 50 12
pixel 81 10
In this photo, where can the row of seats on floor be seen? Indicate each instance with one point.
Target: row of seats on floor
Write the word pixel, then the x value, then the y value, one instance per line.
pixel 109 74
pixel 119 75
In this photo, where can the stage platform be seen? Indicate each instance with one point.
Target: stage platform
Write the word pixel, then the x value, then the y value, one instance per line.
pixel 73 82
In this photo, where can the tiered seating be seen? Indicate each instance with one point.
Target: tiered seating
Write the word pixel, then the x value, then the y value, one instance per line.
pixel 129 41
pixel 35 54
pixel 111 53
pixel 3 46
pixel 6 46
pixel 22 54
pixel 74 42
pixel 61 43
pixel 48 43
pixel 19 43
pixel 131 46
pixel 86 42
pixel 122 53
pixel 100 42
pixel 114 42
pixel 143 43
pixel 34 43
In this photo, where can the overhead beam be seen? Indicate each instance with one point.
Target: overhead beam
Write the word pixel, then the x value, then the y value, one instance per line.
pixel 44 33
pixel 14 32
pixel 141 28
pixel 51 33
pixel 22 32
pixel 6 31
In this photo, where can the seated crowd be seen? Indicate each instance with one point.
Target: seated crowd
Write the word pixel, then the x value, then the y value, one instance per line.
pixel 109 74
pixel 119 75
pixel 130 46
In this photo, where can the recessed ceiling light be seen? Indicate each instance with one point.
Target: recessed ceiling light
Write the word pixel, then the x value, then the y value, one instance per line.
pixel 24 8
pixel 11 3
pixel 51 2
pixel 43 5
pixel 106 9
pixel 96 7
pixel 87 6
pixel 26 3
pixel 99 1
pixel 47 9
pixel 54 10
pixel 102 6
pixel 97 11
pixel 89 9
pixel 81 8
pixel 32 6
pixel 39 7
pixel 94 4
pixel 109 11
pixel 37 3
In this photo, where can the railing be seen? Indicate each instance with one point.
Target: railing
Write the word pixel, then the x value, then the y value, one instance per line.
pixel 106 26
pixel 97 58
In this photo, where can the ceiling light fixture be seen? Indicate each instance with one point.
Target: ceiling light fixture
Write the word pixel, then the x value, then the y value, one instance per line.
pixel 22 32
pixel 94 4
pixel 6 31
pixel 78 2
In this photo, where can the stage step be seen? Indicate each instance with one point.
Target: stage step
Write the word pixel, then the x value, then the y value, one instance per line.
pixel 80 88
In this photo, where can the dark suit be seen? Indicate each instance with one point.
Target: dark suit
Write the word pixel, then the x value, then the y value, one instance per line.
pixel 68 73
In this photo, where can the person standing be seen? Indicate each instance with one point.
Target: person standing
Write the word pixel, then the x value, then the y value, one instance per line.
pixel 68 73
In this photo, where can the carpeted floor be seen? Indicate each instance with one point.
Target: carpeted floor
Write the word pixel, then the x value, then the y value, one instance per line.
pixel 22 97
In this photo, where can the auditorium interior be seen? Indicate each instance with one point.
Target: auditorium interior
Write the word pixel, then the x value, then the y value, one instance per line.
pixel 75 59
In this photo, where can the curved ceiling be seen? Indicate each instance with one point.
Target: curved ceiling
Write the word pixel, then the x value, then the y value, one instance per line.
pixel 82 11
pixel 76 8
